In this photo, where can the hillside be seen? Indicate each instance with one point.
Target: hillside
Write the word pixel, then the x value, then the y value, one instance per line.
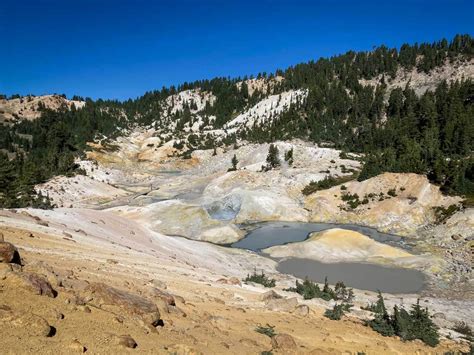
pixel 119 221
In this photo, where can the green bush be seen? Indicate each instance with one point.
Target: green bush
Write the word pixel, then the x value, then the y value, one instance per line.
pixel 412 325
pixel 326 183
pixel 442 213
pixel 289 156
pixel 261 279
pixel 392 192
pixel 335 313
pixel 268 330
pixel 464 328
pixel 308 289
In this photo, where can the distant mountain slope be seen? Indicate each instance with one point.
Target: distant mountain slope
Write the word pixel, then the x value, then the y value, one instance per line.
pixel 29 107
pixel 408 110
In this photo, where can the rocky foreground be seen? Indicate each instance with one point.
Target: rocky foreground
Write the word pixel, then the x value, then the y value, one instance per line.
pixel 71 286
pixel 131 258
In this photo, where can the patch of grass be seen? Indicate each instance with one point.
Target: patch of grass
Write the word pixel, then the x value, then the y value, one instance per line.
pixel 261 279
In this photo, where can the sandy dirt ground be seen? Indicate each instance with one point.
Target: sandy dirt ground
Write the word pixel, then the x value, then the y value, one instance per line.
pixel 202 304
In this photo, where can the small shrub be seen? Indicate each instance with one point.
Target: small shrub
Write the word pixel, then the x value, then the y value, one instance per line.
pixel 289 156
pixel 234 163
pixel 415 324
pixel 261 279
pixel 343 293
pixel 392 193
pixel 325 184
pixel 335 313
pixel 308 289
pixel 463 328
pixel 268 330
pixel 442 214
pixel 344 155
pixel 343 187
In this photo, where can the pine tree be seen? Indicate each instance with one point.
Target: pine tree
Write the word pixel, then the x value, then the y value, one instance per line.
pixel 423 327
pixel 234 163
pixel 273 160
pixel 289 156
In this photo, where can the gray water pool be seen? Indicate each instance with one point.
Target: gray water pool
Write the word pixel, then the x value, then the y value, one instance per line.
pixel 268 234
pixel 361 276
pixel 358 275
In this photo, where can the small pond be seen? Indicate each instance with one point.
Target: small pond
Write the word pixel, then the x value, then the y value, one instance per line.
pixel 361 276
pixel 268 234
pixel 358 275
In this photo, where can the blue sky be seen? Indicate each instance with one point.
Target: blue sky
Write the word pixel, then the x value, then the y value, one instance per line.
pixel 120 49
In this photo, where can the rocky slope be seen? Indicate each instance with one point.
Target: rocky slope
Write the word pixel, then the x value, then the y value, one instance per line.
pixel 393 203
pixel 28 107
pixel 92 281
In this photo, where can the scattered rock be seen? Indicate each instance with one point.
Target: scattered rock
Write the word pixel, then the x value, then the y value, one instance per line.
pixel 5 269
pixel 35 325
pixel 109 298
pixel 76 346
pixel 164 296
pixel 182 349
pixel 8 253
pixel 32 282
pixel 45 270
pixel 126 341
pixel 84 309
pixel 159 284
pixel 456 236
pixel 227 294
pixel 439 315
pixel 282 304
pixel 230 281
pixel 248 342
pixel 283 342
pixel 270 295
pixel 301 310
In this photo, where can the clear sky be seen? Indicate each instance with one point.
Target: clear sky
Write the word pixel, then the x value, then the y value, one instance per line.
pixel 120 49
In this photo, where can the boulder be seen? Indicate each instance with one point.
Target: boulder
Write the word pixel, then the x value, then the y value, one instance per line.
pixel 111 299
pixel 182 349
pixel 301 310
pixel 283 342
pixel 282 304
pixel 31 282
pixel 34 325
pixel 5 269
pixel 230 281
pixel 76 347
pixel 167 297
pixel 8 253
pixel 270 295
pixel 45 270
pixel 126 341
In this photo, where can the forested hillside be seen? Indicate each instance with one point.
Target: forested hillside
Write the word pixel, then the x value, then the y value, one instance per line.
pixel 398 129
